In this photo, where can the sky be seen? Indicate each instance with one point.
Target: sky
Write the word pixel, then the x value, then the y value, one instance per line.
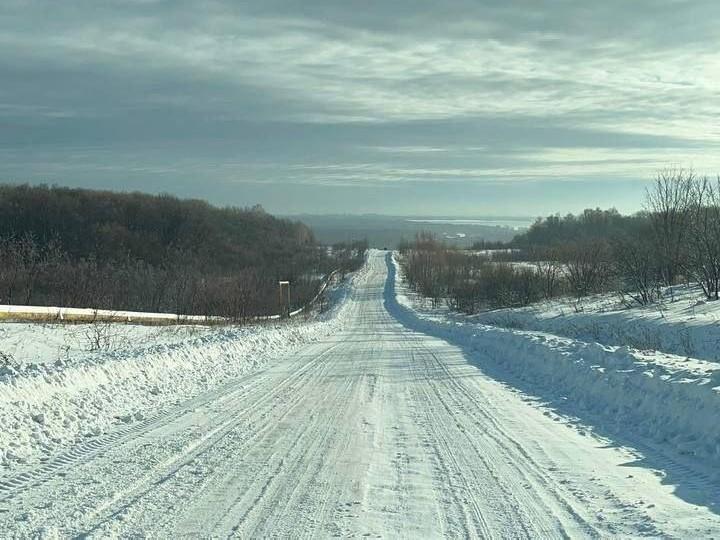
pixel 452 108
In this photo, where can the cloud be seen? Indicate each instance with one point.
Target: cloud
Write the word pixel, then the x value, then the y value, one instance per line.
pixel 390 94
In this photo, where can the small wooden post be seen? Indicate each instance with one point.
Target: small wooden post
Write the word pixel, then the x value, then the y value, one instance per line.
pixel 284 299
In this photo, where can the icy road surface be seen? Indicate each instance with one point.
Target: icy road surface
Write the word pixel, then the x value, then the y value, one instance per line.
pixel 378 431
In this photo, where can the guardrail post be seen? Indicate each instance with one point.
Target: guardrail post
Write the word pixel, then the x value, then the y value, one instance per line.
pixel 284 299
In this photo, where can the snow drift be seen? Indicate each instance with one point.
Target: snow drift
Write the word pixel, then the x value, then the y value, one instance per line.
pixel 669 399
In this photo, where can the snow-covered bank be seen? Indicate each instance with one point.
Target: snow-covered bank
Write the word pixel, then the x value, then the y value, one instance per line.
pixel 669 399
pixel 683 323
pixel 53 393
pixel 687 326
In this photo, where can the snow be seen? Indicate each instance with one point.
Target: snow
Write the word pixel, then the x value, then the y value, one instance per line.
pixel 683 324
pixel 55 313
pixel 29 343
pixel 373 425
pixel 670 399
pixel 56 391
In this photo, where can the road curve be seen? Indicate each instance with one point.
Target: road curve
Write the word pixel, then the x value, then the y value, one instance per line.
pixel 378 431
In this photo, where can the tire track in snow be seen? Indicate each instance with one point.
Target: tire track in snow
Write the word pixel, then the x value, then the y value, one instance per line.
pixel 86 451
pixel 528 513
pixel 304 503
pixel 162 473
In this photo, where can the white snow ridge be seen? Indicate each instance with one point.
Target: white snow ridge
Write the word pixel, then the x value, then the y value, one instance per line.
pixel 381 420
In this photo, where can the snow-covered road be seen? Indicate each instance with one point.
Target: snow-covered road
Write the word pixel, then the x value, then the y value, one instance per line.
pixel 377 431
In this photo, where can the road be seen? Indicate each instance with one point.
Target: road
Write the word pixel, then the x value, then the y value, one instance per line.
pixel 378 431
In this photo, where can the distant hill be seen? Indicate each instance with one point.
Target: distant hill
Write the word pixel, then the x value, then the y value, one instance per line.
pixel 112 226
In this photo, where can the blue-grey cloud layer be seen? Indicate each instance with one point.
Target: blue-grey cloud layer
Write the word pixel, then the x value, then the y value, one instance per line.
pixel 454 107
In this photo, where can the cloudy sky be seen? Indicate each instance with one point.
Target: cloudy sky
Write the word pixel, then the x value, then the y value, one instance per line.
pixel 457 107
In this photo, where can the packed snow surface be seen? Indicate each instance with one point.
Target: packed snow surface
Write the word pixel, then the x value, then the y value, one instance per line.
pixel 380 421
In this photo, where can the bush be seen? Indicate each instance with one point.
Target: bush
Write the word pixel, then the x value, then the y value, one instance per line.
pixel 467 281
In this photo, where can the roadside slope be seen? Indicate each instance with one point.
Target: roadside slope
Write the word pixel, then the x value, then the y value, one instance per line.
pixel 55 394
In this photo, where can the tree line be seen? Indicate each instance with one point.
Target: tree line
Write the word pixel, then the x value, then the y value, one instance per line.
pixel 674 239
pixel 133 251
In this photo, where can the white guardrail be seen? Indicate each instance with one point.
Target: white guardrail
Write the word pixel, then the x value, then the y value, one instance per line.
pixel 67 314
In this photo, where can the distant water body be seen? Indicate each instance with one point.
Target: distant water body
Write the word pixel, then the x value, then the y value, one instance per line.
pixel 512 223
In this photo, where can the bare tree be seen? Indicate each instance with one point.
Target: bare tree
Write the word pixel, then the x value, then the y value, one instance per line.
pixel 669 202
pixel 638 268
pixel 549 270
pixel 703 259
pixel 526 286
pixel 587 266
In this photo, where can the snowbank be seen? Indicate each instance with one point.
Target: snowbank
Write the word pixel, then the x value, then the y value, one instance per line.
pixel 54 395
pixel 38 343
pixel 670 399
pixel 687 326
